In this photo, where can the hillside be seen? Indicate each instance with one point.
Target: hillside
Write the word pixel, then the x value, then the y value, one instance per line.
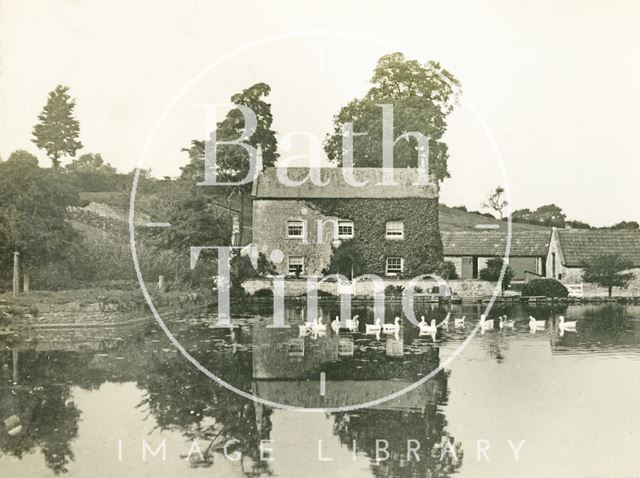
pixel 452 219
pixel 116 204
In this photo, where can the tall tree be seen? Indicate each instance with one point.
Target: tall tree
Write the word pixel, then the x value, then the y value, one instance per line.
pixel 57 129
pixel 496 202
pixel 232 161
pixel 422 97
pixel 33 212
pixel 608 270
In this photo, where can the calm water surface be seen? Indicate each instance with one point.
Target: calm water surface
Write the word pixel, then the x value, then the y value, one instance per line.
pixel 88 400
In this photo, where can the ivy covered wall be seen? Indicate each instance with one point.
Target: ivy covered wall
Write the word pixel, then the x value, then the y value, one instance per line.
pixel 421 247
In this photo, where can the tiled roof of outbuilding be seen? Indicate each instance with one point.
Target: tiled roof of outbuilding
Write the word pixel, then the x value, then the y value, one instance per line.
pixel 494 243
pixel 269 185
pixel 579 246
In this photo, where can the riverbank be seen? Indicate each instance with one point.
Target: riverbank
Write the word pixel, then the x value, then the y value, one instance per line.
pixel 87 307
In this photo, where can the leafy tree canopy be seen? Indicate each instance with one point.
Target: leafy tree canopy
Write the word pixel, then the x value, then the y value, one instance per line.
pixel 422 97
pixel 33 211
pixel 607 270
pixel 90 163
pixel 57 129
pixel 233 161
pixel 631 225
pixel 493 270
pixel 347 260
pixel 547 215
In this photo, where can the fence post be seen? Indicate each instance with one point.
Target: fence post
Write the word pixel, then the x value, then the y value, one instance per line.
pixel 16 273
pixel 26 285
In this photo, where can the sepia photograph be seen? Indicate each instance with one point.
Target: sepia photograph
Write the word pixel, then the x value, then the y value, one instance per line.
pixel 309 239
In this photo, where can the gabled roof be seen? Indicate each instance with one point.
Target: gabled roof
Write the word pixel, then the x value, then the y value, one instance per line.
pixel 494 243
pixel 269 186
pixel 580 246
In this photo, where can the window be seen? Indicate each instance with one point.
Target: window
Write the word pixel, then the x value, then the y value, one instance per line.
pixel 296 265
pixel 295 229
pixel 395 230
pixel 345 229
pixel 394 265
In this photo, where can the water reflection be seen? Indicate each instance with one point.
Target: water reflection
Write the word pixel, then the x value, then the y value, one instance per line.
pixel 41 370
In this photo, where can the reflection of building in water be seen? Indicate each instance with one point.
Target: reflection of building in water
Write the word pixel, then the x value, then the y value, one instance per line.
pixel 286 369
pixel 360 370
pixel 395 346
pixel 345 347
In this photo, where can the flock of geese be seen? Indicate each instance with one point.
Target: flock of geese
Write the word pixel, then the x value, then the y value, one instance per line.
pixel 317 328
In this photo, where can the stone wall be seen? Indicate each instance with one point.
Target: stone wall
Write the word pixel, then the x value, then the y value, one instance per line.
pixel 297 287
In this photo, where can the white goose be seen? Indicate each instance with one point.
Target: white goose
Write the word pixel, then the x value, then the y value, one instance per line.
pixel 509 323
pixel 392 328
pixel 352 324
pixel 335 325
pixel 304 329
pixel 318 326
pixel 445 322
pixel 459 323
pixel 427 329
pixel 374 328
pixel 536 324
pixel 486 324
pixel 563 324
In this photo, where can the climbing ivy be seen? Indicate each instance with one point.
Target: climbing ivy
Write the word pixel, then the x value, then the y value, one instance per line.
pixel 421 247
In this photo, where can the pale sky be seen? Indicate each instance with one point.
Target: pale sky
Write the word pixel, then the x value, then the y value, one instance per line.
pixel 555 82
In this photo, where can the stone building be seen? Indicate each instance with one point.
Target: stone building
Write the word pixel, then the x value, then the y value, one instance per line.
pixel 571 250
pixel 394 227
pixel 470 250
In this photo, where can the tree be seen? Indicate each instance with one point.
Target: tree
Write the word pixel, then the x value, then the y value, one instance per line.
pixel 92 173
pixel 547 215
pixel 233 161
pixel 495 201
pixel 493 270
pixel 422 97
pixel 607 270
pixel 631 225
pixel 33 212
pixel 578 224
pixel 57 130
pixel 347 260
pixel 90 162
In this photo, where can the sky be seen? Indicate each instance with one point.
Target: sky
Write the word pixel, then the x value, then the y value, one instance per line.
pixel 549 108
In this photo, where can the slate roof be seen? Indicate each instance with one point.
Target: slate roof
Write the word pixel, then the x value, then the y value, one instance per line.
pixel 269 186
pixel 494 243
pixel 579 246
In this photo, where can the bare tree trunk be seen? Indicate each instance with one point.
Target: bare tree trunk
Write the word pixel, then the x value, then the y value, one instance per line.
pixel 16 273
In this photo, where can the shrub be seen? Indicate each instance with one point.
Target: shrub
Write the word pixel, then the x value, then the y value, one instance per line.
pixel 494 269
pixel 447 270
pixel 545 287
pixel 393 290
pixel 263 293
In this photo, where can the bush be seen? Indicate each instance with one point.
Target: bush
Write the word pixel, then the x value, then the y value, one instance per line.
pixel 494 269
pixel 393 290
pixel 263 293
pixel 545 287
